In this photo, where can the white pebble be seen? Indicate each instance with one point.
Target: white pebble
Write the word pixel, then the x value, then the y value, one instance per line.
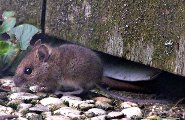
pixel 33 116
pixel 128 105
pixel 22 96
pixel 51 101
pixel 5 110
pixel 100 117
pixel 68 112
pixel 96 111
pixel 103 105
pixel 132 111
pixel 115 114
pixel 82 105
pixel 57 117
pixel 68 98
pixel 24 107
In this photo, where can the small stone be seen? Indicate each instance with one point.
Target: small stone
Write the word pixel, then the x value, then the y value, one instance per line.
pixel 51 100
pixel 52 103
pixel 86 106
pixel 100 117
pixel 21 118
pixel 22 96
pixel 8 81
pixel 74 103
pixel 89 101
pixel 57 117
pixel 89 114
pixel 124 119
pixel 132 112
pixel 23 108
pixel 39 108
pixel 82 105
pixel 68 112
pixel 95 111
pixel 68 98
pixel 33 116
pixel 153 117
pixel 128 104
pixel 113 115
pixel 103 105
pixel 8 117
pixel 103 99
pixel 5 110
pixel 46 114
pixel 17 113
pixel 56 107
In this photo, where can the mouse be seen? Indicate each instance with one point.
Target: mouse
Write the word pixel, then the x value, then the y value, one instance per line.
pixel 67 69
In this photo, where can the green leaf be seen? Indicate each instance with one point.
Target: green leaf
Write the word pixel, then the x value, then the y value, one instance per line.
pixel 24 34
pixel 4 46
pixel 8 51
pixel 8 24
pixel 8 14
pixel 10 54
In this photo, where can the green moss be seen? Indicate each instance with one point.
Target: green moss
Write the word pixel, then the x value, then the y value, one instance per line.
pixel 138 21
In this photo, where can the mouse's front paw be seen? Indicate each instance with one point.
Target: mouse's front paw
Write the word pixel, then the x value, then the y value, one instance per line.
pixel 37 88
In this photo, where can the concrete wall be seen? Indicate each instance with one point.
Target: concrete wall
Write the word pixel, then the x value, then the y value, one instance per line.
pixel 27 11
pixel 151 32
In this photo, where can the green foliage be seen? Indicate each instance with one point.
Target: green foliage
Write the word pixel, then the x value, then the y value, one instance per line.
pixel 4 47
pixel 23 34
pixel 9 21
pixel 8 14
pixel 8 52
pixel 20 37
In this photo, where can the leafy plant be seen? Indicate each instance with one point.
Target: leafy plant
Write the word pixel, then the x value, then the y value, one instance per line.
pixel 9 21
pixel 20 37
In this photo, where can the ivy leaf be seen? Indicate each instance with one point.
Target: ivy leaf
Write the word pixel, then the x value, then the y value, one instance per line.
pixel 8 24
pixel 8 52
pixel 9 21
pixel 24 34
pixel 4 46
pixel 8 14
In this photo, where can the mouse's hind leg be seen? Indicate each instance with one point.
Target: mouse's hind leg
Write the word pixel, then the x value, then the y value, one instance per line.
pixel 75 92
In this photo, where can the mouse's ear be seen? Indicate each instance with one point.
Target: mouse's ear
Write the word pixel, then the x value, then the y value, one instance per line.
pixel 43 53
pixel 38 42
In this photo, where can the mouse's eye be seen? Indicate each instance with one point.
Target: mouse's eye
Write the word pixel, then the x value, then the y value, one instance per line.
pixel 28 70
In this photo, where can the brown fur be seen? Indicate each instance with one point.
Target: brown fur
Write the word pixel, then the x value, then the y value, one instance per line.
pixel 60 68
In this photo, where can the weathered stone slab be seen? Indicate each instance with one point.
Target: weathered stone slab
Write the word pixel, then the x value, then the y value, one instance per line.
pixel 151 32
pixel 27 11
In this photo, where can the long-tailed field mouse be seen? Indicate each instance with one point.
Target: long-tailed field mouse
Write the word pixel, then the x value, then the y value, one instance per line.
pixel 68 69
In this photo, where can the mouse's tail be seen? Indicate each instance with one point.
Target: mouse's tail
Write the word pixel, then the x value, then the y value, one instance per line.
pixel 123 85
pixel 137 100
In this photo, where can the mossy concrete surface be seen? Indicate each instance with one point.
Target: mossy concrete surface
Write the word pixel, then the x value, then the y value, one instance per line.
pixel 27 11
pixel 151 32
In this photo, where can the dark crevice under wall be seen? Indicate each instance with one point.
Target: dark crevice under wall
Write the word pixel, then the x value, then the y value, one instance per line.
pixel 43 15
